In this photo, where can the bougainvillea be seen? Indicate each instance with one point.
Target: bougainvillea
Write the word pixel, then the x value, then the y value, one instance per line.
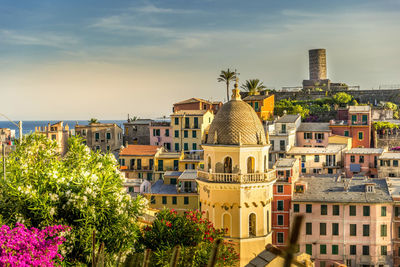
pixel 83 189
pixel 193 233
pixel 31 247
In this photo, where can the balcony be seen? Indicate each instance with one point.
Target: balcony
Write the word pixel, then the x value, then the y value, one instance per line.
pixel 134 181
pixel 333 165
pixel 140 168
pixel 282 179
pixel 237 177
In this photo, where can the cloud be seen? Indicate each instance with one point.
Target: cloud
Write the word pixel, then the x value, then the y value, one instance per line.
pixel 153 9
pixel 39 39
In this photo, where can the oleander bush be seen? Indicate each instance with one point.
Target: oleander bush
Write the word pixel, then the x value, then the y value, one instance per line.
pixel 83 190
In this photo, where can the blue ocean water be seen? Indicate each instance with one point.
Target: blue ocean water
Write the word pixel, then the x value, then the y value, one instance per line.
pixel 29 126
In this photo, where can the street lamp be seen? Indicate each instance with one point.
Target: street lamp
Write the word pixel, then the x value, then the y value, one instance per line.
pixel 19 125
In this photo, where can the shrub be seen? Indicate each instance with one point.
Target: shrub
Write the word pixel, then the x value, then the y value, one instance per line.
pixel 83 190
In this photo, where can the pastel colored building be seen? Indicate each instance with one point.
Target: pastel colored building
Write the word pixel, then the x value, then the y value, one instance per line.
pixel 394 189
pixel 319 160
pixel 197 104
pixel 362 161
pixel 104 137
pixel 345 220
pixel 389 164
pixel 263 105
pixel 178 191
pixel 58 132
pixel 282 136
pixel 287 172
pixel 313 134
pixel 272 256
pixel 190 128
pixel 136 132
pixel 161 133
pixel 236 185
pixel 356 123
pixel 341 140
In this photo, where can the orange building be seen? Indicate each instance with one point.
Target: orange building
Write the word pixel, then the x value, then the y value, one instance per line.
pixel 197 104
pixel 263 105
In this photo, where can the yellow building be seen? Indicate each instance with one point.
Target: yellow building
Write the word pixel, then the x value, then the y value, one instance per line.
pixel 338 139
pixel 189 128
pixel 191 160
pixel 235 186
pixel 178 191
pixel 57 132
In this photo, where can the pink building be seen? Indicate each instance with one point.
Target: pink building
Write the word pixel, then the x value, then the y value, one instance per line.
pixel 346 221
pixel 362 161
pixel 161 133
pixel 313 134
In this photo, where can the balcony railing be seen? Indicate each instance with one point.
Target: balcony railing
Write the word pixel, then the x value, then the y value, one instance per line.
pixel 282 178
pixel 237 177
pixel 332 164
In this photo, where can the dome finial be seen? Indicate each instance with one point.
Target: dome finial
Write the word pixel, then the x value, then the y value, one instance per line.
pixel 235 92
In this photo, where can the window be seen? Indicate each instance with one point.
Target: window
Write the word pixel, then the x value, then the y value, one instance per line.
pixel 280 205
pixel 335 229
pixel 164 200
pixel 280 219
pixel 194 146
pixel 303 158
pixel 322 229
pixel 296 207
pixel 252 224
pixel 322 264
pixel 383 250
pixel 187 123
pixel 153 200
pixel 176 147
pixel 176 133
pixel 307 135
pixel 353 250
pixel 122 162
pixel 53 137
pixel 383 230
pixel 335 210
pixel 174 201
pixel 324 210
pixel 280 188
pixel 346 133
pixel 186 200
pixel 316 158
pixel 196 122
pixel 397 211
pixel 365 210
pixel 319 136
pixel 383 211
pixel 309 249
pixel 185 146
pixel 352 159
pixel 365 119
pixel 354 119
pixel 353 229
pixel 308 208
pixel 395 163
pixel 361 159
pixel 365 229
pixel 173 181
pixel 108 148
pixel 185 133
pixel 282 145
pixel 360 135
pixel 176 121
pixel 335 249
pixel 353 211
pixel 279 237
pixel 256 106
pixel 166 132
pixel 322 249
pixel 194 134
pixel 97 136
pixel 365 250
pixel 303 170
pixel 308 228
pixel 283 128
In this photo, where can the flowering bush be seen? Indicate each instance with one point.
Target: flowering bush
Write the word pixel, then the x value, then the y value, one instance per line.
pixel 194 234
pixel 23 247
pixel 83 190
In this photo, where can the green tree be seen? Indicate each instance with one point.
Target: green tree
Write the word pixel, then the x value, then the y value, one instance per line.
pixel 93 120
pixel 394 108
pixel 83 190
pixel 342 98
pixel 194 234
pixel 253 86
pixel 227 76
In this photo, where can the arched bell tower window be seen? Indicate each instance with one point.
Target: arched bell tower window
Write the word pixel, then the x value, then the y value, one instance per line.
pixel 208 164
pixel 252 225
pixel 226 223
pixel 250 165
pixel 228 165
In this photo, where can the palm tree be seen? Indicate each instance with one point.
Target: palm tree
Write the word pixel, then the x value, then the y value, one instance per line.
pixel 253 86
pixel 93 120
pixel 227 76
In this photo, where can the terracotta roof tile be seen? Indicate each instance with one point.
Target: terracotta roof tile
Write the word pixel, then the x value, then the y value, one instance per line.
pixel 139 150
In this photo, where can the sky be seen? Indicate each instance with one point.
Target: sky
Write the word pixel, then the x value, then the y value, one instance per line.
pixel 105 59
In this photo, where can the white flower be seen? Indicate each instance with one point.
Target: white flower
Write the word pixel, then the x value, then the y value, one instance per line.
pixel 52 211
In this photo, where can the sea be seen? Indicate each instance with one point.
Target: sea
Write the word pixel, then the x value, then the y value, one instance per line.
pixel 29 126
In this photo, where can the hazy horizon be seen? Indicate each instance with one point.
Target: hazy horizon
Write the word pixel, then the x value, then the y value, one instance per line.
pixel 106 59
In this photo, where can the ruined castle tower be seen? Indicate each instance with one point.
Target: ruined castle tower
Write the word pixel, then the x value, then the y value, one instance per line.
pixel 317 59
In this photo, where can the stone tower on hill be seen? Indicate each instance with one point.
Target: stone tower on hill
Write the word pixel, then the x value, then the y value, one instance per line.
pixel 317 61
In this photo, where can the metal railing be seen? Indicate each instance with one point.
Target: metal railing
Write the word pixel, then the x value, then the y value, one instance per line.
pixel 237 177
